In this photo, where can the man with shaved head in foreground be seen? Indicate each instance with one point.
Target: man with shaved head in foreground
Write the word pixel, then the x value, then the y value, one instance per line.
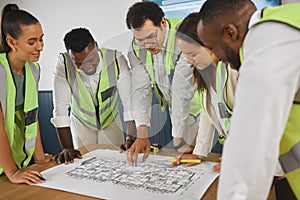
pixel 267 43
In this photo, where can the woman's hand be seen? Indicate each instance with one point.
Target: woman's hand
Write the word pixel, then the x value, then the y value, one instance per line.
pixel 217 167
pixel 29 177
pixel 185 156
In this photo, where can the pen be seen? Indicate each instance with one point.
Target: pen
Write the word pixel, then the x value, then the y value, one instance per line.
pixel 186 160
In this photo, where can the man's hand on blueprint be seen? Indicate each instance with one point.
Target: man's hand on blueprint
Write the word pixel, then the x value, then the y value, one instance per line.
pixel 67 156
pixel 141 145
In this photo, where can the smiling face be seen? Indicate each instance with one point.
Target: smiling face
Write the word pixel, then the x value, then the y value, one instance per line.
pixel 220 42
pixel 195 54
pixel 149 36
pixel 86 60
pixel 29 44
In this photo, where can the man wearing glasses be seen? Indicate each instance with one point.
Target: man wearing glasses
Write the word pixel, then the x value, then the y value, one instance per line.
pixel 156 62
pixel 90 81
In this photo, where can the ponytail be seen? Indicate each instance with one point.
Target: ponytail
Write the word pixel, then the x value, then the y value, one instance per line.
pixel 11 20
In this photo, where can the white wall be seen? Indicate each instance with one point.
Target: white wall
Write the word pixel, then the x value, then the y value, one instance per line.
pixel 104 18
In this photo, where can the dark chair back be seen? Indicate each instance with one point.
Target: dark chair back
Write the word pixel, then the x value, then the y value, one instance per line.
pixel 48 133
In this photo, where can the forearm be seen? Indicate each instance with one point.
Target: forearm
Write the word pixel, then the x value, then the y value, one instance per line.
pixel 124 88
pixel 141 101
pixel 65 139
pixel 177 140
pixel 130 128
pixel 141 91
pixel 61 97
pixel 205 136
pixel 142 131
pixel 182 94
pixel 39 151
pixel 178 117
pixel 6 159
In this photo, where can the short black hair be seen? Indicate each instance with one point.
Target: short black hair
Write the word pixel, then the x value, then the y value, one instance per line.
pixel 78 39
pixel 11 20
pixel 217 9
pixel 139 12
pixel 187 30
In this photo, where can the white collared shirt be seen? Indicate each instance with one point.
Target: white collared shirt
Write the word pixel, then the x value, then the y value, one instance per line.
pixel 160 72
pixel 182 87
pixel 62 93
pixel 269 79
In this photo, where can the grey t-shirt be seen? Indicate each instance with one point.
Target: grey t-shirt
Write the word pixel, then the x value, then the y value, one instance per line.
pixel 19 83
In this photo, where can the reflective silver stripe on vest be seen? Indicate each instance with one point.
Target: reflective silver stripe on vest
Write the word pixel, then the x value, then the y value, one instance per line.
pixel 74 84
pixel 30 143
pixel 291 159
pixel 86 122
pixel 111 68
pixel 224 113
pixel 175 57
pixel 142 55
pixel 3 90
pixel 35 72
pixel 111 78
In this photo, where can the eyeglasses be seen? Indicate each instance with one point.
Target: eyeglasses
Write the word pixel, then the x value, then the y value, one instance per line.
pixel 152 38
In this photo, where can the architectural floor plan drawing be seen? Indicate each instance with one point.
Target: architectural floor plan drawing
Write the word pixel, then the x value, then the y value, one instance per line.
pixel 156 177
pixel 106 174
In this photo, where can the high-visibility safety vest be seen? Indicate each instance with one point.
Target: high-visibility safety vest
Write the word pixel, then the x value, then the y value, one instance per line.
pixel 100 111
pixel 290 142
pixel 21 125
pixel 224 109
pixel 172 55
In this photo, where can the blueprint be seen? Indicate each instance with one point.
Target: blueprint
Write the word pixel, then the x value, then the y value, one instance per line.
pixel 106 174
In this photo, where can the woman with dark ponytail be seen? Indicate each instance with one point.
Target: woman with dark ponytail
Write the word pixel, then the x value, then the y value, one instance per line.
pixel 21 44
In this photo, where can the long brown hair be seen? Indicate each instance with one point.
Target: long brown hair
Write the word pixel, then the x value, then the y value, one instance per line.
pixel 187 31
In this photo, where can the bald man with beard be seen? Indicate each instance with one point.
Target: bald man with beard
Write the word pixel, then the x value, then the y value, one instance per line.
pixel 264 46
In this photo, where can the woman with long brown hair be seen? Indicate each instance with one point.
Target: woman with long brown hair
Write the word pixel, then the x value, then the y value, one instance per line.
pixel 21 44
pixel 216 83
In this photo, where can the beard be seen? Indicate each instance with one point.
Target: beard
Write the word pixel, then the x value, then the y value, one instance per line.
pixel 232 57
pixel 154 50
pixel 89 69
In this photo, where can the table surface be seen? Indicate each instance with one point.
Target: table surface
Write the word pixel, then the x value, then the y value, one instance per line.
pixel 12 191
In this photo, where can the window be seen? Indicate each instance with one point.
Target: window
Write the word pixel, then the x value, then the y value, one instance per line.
pixel 181 8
